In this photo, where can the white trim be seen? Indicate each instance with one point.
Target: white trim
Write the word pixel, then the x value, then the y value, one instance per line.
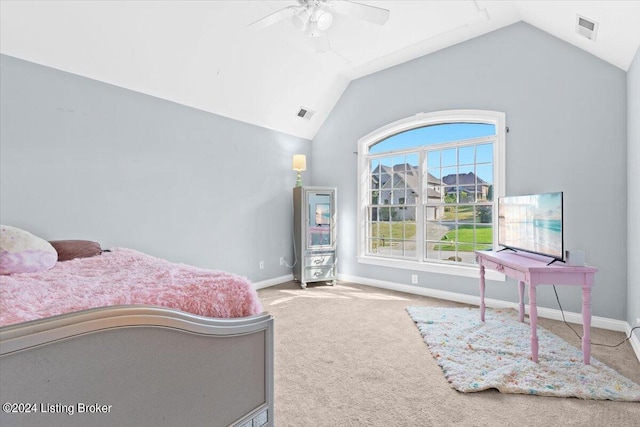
pixel 635 341
pixel 272 282
pixel 420 120
pixel 458 270
pixel 548 313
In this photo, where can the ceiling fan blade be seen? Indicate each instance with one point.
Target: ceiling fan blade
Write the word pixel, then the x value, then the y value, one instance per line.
pixel 374 14
pixel 273 18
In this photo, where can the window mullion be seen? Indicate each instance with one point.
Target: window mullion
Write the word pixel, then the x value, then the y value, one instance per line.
pixel 471 185
pixel 421 206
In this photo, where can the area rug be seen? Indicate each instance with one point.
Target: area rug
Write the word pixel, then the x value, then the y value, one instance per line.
pixel 476 356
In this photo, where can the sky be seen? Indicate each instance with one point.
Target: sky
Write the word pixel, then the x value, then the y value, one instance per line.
pixel 435 134
pixel 443 162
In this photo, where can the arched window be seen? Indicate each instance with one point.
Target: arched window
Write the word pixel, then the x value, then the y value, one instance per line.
pixel 428 190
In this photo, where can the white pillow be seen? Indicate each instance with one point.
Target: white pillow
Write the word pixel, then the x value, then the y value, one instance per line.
pixel 22 252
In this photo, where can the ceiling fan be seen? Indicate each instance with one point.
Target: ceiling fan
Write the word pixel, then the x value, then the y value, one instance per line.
pixel 315 16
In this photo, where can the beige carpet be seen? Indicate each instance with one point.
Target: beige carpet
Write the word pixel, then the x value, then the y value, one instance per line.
pixel 350 355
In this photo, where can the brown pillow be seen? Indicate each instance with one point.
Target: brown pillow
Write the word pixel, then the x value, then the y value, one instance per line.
pixel 70 249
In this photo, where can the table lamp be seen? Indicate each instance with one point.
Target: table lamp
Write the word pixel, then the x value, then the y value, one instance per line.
pixel 299 164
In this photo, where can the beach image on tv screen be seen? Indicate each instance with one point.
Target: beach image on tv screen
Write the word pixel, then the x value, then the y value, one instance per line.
pixel 532 223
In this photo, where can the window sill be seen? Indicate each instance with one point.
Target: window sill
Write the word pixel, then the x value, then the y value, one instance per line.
pixel 455 270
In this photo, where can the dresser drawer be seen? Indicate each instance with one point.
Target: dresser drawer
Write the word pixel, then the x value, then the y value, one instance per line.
pixel 318 273
pixel 319 260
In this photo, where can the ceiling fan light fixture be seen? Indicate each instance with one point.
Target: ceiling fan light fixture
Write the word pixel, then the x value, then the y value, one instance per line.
pixel 314 31
pixel 323 19
pixel 301 19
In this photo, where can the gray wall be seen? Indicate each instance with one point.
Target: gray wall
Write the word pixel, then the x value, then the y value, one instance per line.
pixel 82 159
pixel 633 193
pixel 566 111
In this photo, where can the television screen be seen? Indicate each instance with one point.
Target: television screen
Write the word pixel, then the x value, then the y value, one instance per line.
pixel 532 223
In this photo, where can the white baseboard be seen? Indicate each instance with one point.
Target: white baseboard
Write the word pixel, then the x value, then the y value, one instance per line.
pixel 273 282
pixel 548 313
pixel 635 341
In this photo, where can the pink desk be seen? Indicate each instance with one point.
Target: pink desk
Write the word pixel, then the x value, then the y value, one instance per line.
pixel 536 272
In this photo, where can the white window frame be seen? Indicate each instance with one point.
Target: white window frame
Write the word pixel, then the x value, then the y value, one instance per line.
pixel 420 120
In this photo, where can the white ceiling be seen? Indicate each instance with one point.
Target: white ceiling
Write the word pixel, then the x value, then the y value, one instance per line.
pixel 201 53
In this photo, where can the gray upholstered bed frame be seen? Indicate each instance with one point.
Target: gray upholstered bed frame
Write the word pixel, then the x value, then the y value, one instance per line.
pixel 137 366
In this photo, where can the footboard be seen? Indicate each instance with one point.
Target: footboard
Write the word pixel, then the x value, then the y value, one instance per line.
pixel 137 366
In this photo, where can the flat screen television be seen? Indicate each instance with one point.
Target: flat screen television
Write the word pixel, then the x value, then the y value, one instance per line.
pixel 532 223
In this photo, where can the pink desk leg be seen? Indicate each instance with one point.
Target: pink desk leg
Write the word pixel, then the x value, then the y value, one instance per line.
pixel 586 324
pixel 482 292
pixel 521 304
pixel 533 318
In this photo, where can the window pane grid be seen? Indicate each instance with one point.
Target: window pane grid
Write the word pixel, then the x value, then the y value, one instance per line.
pixel 457 231
pixel 392 231
pixel 392 205
pixel 456 213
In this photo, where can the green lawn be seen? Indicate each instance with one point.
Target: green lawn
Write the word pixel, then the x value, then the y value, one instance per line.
pixel 465 238
pixel 465 213
pixel 383 233
pixel 399 230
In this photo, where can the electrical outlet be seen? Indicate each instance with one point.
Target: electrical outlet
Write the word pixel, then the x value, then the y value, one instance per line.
pixel 414 279
pixel 281 260
pixel 637 321
pixel 261 265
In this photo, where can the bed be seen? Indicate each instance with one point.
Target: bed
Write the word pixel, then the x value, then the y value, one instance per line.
pixel 76 349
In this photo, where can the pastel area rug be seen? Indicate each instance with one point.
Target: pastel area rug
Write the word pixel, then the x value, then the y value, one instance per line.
pixel 476 356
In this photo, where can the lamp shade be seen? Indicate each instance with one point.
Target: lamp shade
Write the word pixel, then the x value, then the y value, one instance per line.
pixel 299 162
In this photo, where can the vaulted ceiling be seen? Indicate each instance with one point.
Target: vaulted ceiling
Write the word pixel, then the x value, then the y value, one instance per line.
pixel 202 53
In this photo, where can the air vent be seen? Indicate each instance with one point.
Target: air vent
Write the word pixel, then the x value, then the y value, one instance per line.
pixel 305 113
pixel 586 27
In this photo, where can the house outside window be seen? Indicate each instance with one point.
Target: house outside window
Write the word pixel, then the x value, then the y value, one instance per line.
pixel 440 175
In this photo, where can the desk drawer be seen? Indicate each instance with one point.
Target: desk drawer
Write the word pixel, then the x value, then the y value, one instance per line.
pixel 506 270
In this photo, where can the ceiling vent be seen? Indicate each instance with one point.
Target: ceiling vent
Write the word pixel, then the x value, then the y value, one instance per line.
pixel 586 27
pixel 305 113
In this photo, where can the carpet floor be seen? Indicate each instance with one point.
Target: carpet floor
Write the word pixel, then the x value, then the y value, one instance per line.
pixel 349 355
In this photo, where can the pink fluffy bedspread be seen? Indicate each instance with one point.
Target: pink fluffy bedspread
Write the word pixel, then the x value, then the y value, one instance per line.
pixel 124 276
